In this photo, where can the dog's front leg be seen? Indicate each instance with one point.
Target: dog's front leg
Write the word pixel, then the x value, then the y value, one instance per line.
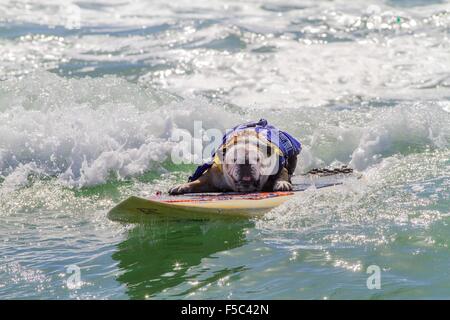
pixel 202 184
pixel 190 187
pixel 291 165
pixel 282 181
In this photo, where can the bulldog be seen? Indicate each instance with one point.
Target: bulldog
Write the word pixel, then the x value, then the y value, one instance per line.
pixel 253 157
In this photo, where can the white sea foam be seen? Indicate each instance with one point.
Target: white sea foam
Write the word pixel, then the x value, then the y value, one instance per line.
pixel 397 192
pixel 360 64
pixel 313 54
pixel 84 130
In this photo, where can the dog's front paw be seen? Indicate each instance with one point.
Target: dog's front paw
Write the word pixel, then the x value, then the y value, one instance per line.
pixel 180 189
pixel 282 186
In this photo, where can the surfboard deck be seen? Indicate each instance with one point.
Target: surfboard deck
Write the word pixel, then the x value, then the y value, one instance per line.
pixel 217 205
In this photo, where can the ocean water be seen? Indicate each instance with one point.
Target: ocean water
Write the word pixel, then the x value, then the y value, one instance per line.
pixel 92 91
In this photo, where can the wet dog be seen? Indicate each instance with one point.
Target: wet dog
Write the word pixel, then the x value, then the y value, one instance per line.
pixel 253 157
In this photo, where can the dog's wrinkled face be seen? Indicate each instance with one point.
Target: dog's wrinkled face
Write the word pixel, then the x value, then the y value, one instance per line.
pixel 245 166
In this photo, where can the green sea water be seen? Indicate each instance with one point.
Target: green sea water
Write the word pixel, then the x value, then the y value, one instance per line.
pixel 91 94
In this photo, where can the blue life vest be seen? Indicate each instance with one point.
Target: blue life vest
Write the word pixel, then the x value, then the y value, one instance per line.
pixel 287 145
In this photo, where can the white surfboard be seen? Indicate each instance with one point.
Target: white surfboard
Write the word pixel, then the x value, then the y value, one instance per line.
pixel 217 205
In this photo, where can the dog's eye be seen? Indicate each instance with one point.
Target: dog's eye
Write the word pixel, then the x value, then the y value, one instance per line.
pixel 257 159
pixel 235 159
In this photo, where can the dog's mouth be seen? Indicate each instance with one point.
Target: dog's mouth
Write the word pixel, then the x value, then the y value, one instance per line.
pixel 244 179
pixel 246 185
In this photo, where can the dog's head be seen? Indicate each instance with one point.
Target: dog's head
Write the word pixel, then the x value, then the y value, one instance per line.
pixel 248 163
